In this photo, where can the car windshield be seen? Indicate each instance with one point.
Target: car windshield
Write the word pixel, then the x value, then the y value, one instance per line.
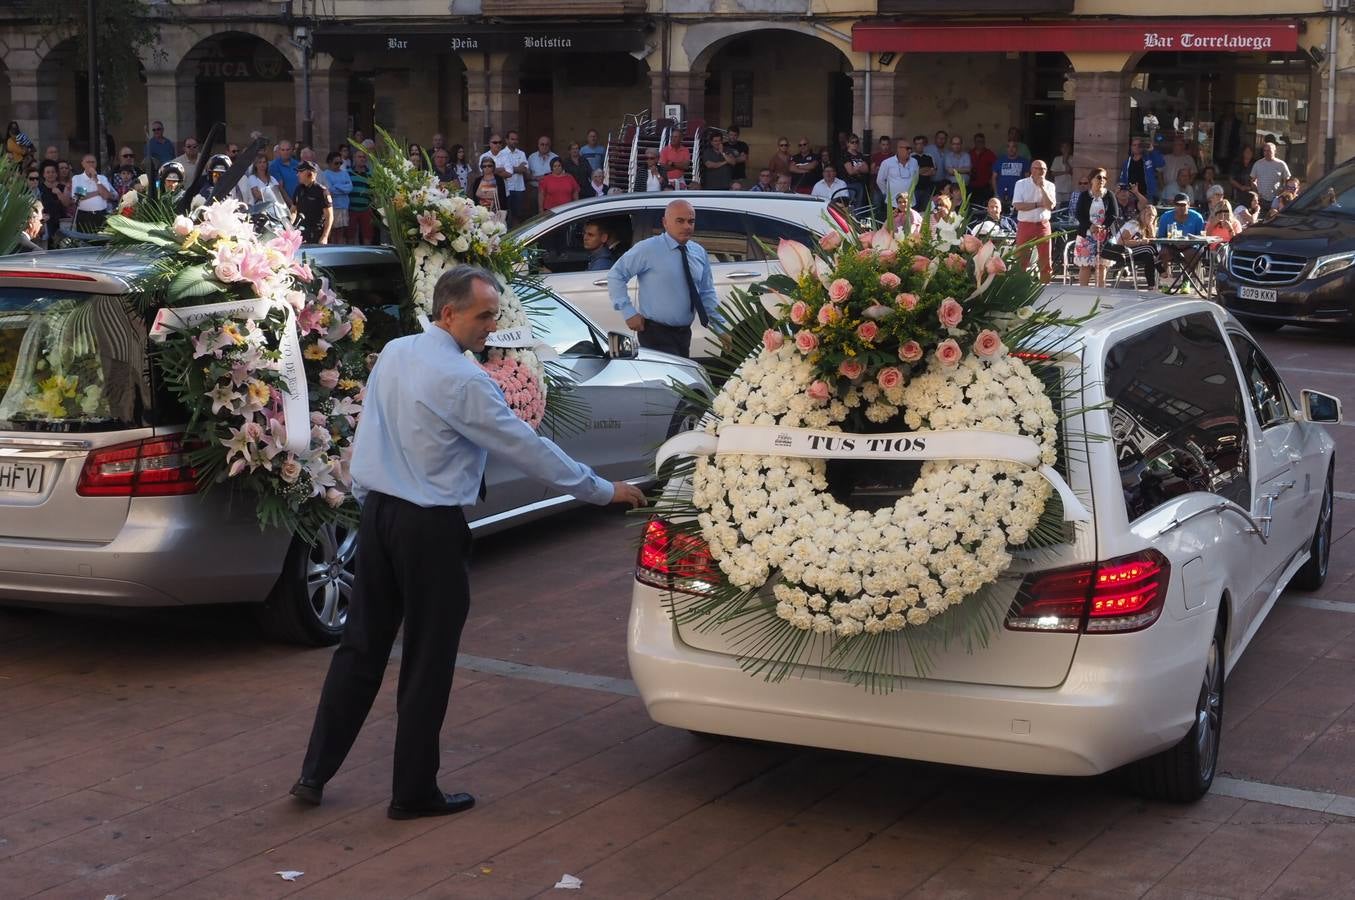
pixel 70 361
pixel 1333 194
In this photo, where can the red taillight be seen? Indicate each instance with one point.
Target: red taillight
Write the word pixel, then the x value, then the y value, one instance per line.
pixel 49 276
pixel 154 467
pixel 674 560
pixel 1118 595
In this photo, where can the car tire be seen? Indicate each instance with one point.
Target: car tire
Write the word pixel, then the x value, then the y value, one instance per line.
pixel 309 604
pixel 1261 325
pixel 1313 574
pixel 1184 773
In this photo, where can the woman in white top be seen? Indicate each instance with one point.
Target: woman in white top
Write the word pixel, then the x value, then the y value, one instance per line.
pixel 1061 171
pixel 262 187
pixel 93 196
pixel 1249 213
pixel 1135 239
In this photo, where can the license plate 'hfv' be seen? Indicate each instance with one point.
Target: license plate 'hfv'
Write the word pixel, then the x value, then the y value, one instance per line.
pixel 1267 295
pixel 20 478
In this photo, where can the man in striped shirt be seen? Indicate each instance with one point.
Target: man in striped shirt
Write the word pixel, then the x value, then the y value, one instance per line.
pixel 361 228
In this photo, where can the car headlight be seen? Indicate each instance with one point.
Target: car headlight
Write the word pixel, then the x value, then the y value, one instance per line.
pixel 1326 265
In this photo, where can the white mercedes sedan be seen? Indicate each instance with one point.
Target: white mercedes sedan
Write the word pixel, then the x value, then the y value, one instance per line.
pixel 1209 494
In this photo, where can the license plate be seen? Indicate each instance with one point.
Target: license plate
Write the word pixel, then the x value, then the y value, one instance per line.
pixel 20 478
pixel 1267 295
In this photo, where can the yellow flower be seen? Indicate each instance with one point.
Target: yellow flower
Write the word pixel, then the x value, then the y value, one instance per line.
pixel 349 384
pixel 359 326
pixel 232 331
pixel 49 404
pixel 60 385
pixel 259 392
pixel 326 316
pixel 314 351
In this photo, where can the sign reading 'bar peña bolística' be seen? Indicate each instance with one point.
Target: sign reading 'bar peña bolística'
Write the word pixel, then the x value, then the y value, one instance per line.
pixel 477 39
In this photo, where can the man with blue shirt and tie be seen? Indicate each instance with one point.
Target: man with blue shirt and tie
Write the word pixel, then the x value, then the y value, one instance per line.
pixel 676 284
pixel 418 459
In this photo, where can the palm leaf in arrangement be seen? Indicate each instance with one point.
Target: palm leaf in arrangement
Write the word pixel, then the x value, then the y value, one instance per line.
pixel 16 205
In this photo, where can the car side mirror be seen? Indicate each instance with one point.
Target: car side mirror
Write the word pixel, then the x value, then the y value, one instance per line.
pixel 621 345
pixel 1319 407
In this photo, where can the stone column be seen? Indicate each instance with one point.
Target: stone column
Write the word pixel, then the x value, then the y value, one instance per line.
pixel 1100 119
pixel 162 104
pixel 35 108
pixel 491 97
pixel 686 88
pixel 329 109
pixel 886 109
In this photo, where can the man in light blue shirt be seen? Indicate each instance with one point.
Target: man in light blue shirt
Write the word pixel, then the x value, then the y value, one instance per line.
pixel 284 168
pixel 676 284
pixel 419 456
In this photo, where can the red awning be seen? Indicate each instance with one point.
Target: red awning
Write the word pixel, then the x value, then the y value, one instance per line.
pixel 1089 35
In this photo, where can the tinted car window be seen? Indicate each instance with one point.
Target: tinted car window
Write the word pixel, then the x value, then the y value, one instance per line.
pixel 562 328
pixel 1177 415
pixel 378 291
pixel 1334 194
pixel 1269 399
pixel 769 232
pixel 561 248
pixel 724 235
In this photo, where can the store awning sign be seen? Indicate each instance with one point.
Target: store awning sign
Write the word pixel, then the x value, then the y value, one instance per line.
pixel 1090 36
pixel 479 40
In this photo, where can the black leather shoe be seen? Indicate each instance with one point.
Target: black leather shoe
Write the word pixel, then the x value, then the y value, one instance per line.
pixel 308 790
pixel 449 805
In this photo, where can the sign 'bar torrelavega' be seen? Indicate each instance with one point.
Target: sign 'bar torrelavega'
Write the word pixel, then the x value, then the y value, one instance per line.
pixel 1218 35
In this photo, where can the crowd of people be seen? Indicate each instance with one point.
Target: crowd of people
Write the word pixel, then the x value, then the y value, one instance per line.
pixel 1009 192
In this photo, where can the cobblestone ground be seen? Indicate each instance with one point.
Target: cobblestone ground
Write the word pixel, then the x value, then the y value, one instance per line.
pixel 149 754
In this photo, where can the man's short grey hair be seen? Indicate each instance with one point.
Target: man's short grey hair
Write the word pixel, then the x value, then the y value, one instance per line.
pixel 456 287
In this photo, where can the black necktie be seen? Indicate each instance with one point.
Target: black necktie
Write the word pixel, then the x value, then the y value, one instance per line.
pixel 697 306
pixel 482 486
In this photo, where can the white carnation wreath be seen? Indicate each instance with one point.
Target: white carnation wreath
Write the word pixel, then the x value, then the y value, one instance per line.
pixel 842 571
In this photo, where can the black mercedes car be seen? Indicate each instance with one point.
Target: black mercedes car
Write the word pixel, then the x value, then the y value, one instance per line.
pixel 1298 268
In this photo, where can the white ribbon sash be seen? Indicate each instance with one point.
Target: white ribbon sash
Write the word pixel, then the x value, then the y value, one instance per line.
pixel 809 443
pixel 508 339
pixel 296 410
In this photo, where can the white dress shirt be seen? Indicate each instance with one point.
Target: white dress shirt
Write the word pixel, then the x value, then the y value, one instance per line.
pixel 1027 191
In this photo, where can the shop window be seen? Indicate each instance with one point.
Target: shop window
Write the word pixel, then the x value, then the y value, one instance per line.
pixel 1272 108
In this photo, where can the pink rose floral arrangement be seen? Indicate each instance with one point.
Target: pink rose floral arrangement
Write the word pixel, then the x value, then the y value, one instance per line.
pixel 520 386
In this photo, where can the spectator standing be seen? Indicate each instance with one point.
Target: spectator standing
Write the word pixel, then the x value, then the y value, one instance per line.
pixel 490 189
pixel 675 284
pixel 159 147
pixel 856 171
pixel 1033 201
pixel 439 142
pixel 780 161
pixel 1061 172
pixel 361 228
pixel 345 154
pixel 189 158
pixel 93 196
pixel 442 167
pixel 1177 161
pixel 417 158
pixel 926 172
pixel 284 168
pixel 597 184
pixel 314 211
pixel 956 164
pixel 1209 181
pixel 676 159
pixel 884 150
pixel 739 150
pixel 1014 134
pixel 340 184
pixel 1141 170
pixel 539 166
pixel 1185 184
pixel 593 152
pixel 1248 212
pixel 1096 215
pixel 832 188
pixel 981 160
pixel 125 173
pixel 262 187
pixel 654 179
pixel 1009 170
pixel 898 174
pixel 579 168
pixel 940 141
pixel 495 145
pixel 765 184
pixel 1241 177
pixel 717 165
pixel 511 162
pixel 804 168
pixel 461 169
pixel 55 198
pixel 557 187
pixel 1270 173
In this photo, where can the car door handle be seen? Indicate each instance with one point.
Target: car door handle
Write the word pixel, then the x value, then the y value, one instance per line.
pixel 1222 507
pixel 601 282
pixel 743 275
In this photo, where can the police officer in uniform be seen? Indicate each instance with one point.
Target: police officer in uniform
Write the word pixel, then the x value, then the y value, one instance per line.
pixel 428 421
pixel 314 209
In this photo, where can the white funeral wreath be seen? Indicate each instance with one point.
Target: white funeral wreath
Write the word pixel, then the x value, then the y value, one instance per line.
pixel 844 571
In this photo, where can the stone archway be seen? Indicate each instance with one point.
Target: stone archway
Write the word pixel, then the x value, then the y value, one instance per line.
pixel 241 78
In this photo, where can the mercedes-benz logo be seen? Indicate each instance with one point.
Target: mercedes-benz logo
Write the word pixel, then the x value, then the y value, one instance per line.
pixel 1261 265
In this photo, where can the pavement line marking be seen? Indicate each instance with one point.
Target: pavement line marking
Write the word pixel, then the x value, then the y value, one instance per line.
pixel 490 666
pixel 1344 495
pixel 1318 603
pixel 1346 374
pixel 1279 795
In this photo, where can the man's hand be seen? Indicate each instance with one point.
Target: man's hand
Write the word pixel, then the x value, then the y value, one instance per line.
pixel 623 492
pixel 636 322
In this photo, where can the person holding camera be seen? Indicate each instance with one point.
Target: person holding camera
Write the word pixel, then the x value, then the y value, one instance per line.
pixel 93 196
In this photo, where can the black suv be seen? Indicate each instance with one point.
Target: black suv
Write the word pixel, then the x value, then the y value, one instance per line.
pixel 1298 268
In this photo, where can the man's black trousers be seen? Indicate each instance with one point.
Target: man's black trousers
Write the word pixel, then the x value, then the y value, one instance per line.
pixel 673 339
pixel 412 564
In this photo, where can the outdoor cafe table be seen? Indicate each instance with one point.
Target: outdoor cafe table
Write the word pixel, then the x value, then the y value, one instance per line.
pixel 1199 270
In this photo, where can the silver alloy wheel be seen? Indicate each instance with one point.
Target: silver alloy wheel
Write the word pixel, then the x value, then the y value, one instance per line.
pixel 1209 713
pixel 329 575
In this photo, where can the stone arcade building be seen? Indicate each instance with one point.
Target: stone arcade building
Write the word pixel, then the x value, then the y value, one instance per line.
pixel 1093 71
